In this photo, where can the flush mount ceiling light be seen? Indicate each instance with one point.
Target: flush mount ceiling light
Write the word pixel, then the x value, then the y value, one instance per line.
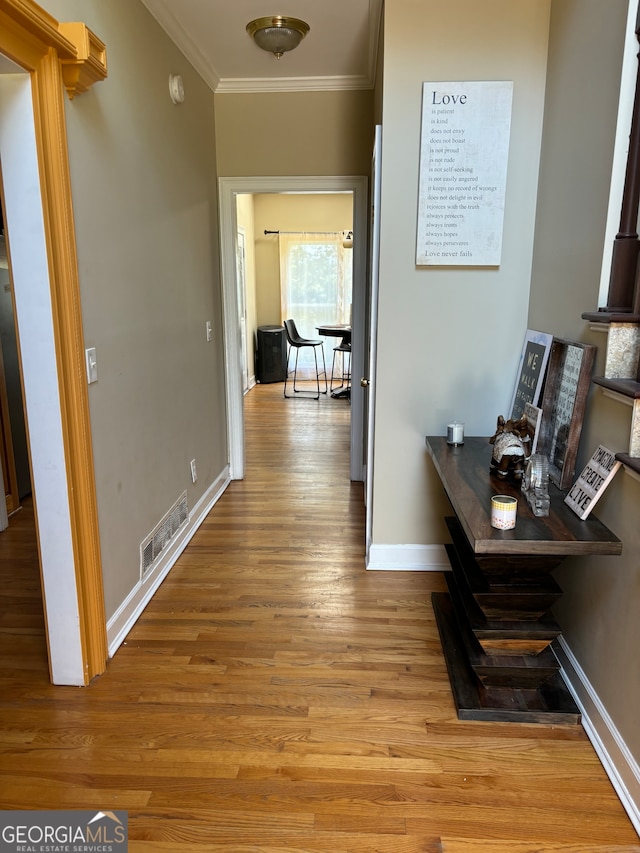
pixel 277 33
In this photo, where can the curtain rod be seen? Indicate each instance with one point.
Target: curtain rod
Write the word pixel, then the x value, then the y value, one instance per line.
pixel 305 232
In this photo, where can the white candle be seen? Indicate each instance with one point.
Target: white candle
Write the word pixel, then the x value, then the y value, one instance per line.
pixel 455 433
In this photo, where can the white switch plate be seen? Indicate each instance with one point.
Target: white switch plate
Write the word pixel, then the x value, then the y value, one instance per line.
pixel 92 364
pixel 194 475
pixel 209 331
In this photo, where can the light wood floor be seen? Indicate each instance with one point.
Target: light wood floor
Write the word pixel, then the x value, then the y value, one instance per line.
pixel 276 697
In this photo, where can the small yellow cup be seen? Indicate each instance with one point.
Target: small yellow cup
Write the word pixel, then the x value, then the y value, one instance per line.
pixel 504 509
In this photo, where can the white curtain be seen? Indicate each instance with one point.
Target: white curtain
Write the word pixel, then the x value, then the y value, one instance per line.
pixel 315 284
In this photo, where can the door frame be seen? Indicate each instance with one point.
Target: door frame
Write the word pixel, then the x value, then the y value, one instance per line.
pixel 241 272
pixel 229 188
pixel 52 56
pixel 372 327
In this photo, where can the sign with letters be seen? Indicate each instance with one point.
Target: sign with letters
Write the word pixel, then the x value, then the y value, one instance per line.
pixel 64 831
pixel 464 150
pixel 531 371
pixel 594 479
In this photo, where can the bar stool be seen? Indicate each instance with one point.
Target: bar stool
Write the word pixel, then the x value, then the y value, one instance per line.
pixel 296 342
pixel 344 348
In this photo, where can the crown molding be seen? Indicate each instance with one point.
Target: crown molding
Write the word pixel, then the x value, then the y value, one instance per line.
pixel 244 85
pixel 178 35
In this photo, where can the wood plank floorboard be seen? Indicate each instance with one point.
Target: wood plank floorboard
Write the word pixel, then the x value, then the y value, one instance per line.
pixel 275 697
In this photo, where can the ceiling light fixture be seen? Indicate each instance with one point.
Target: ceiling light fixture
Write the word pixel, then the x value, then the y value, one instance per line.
pixel 277 33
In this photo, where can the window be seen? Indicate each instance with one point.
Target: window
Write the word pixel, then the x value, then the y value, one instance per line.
pixel 315 283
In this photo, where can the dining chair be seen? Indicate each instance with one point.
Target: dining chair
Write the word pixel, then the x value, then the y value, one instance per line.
pixel 296 342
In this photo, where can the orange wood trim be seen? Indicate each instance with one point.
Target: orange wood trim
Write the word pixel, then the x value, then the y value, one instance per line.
pixel 28 31
pixel 90 66
pixel 32 38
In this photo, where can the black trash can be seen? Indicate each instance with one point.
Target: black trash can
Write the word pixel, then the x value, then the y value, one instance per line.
pixel 271 354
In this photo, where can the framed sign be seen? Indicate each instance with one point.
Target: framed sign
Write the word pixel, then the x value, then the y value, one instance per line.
pixel 531 371
pixel 464 149
pixel 563 404
pixel 591 484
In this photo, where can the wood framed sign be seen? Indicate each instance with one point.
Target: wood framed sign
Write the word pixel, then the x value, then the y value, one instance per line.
pixel 563 404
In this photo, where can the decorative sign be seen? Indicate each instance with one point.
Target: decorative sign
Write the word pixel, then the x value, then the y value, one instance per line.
pixel 531 371
pixel 464 150
pixel 563 403
pixel 590 485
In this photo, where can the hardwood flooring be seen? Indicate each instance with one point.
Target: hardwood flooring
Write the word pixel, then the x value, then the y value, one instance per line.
pixel 275 697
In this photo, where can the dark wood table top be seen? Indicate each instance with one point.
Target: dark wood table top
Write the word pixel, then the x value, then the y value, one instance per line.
pixel 464 472
pixel 335 330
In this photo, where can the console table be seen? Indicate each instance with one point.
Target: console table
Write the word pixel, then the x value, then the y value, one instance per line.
pixel 495 622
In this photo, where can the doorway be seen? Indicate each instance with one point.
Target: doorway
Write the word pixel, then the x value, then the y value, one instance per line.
pixel 229 190
pixel 15 452
pixel 297 265
pixel 39 224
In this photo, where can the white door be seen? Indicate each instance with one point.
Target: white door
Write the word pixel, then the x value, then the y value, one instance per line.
pixel 369 380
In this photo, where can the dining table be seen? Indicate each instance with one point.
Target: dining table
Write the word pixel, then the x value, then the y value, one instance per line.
pixel 343 331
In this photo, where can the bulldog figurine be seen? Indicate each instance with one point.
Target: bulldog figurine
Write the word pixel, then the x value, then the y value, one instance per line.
pixel 511 448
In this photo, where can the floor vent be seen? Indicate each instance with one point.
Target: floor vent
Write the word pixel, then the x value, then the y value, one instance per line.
pixel 153 546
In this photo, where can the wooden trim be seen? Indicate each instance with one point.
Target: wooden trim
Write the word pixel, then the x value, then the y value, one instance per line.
pixel 33 39
pixel 28 32
pixel 90 65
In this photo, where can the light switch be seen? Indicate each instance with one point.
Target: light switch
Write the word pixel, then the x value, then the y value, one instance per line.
pixel 92 365
pixel 209 331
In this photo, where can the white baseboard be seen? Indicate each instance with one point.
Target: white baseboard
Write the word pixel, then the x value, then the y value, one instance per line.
pixel 129 611
pixel 619 764
pixel 408 558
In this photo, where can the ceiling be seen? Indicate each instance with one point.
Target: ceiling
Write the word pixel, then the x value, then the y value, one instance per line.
pixel 339 51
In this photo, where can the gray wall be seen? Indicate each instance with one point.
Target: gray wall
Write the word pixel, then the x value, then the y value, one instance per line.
pixel 448 337
pixel 300 133
pixel 143 179
pixel 599 610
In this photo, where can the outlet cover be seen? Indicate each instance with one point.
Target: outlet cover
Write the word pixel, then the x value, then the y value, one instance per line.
pixel 194 474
